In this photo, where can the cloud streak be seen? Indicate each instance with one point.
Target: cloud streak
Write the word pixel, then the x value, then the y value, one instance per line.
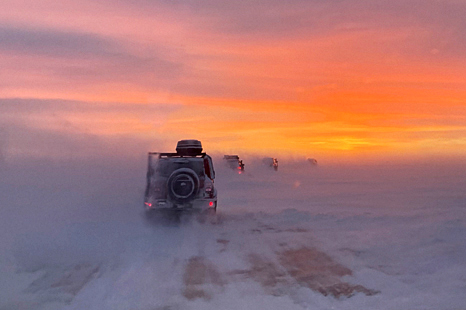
pixel 54 43
pixel 64 60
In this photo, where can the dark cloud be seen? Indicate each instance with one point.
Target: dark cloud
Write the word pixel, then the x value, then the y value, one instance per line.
pixel 54 43
pixel 86 58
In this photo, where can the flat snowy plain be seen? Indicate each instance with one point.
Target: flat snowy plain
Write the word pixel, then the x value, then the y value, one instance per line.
pixel 365 236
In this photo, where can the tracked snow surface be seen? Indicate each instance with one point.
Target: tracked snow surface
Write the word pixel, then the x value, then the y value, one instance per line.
pixel 302 237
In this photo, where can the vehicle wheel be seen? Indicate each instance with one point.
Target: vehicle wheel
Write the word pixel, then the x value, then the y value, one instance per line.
pixel 183 185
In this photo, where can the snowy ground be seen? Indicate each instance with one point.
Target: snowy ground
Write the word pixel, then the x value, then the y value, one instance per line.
pixel 389 236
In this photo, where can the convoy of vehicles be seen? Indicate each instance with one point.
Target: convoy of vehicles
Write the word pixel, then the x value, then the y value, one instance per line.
pixel 185 180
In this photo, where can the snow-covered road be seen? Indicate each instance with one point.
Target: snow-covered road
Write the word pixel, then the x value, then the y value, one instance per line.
pixel 304 237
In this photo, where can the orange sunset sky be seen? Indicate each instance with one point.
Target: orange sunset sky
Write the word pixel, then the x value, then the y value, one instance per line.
pixel 311 77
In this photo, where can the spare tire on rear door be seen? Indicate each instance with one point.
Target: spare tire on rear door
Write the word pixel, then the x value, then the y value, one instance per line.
pixel 183 185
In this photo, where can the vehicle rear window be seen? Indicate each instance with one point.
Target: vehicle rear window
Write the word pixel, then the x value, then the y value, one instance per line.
pixel 165 166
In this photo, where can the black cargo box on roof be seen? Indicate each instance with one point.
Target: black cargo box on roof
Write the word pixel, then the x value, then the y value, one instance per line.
pixel 230 157
pixel 189 147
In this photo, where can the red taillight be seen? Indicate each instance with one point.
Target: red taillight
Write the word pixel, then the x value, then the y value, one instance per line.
pixel 148 204
pixel 211 203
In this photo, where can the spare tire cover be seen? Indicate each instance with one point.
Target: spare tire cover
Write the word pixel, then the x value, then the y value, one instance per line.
pixel 183 185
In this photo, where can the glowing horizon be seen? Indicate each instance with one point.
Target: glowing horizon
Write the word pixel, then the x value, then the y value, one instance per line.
pixel 351 78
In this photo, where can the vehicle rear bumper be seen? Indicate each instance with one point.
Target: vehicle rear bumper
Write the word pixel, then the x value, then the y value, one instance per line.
pixel 197 204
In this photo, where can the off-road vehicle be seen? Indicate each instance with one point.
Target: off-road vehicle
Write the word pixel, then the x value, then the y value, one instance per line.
pixel 182 181
pixel 234 162
pixel 271 162
pixel 313 161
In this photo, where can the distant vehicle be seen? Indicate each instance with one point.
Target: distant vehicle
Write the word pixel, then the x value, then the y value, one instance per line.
pixel 234 162
pixel 271 162
pixel 183 180
pixel 312 161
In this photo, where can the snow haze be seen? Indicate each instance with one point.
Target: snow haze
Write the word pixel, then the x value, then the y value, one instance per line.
pixel 375 236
